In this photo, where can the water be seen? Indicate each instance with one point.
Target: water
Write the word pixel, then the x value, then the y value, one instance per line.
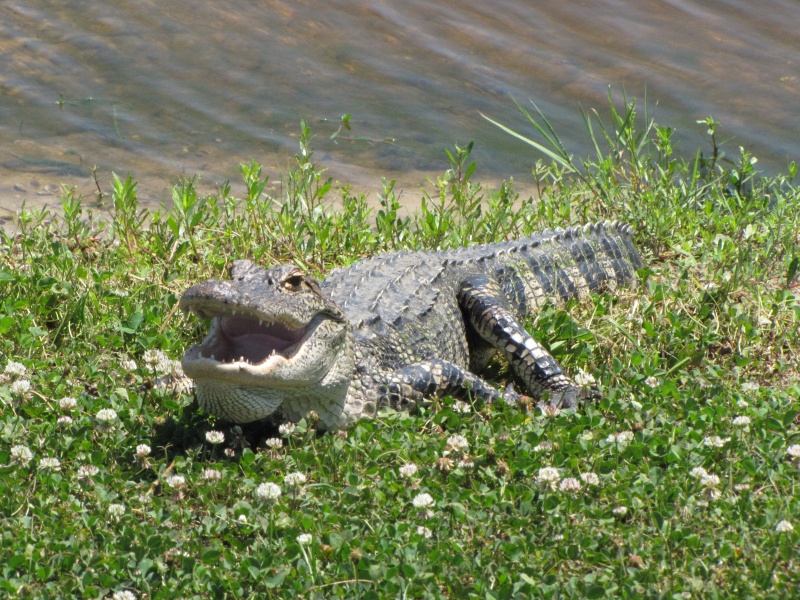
pixel 173 88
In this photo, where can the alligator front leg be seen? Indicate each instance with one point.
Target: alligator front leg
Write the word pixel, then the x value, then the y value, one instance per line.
pixel 434 377
pixel 484 305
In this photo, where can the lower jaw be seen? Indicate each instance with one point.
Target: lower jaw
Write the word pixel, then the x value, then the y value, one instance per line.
pixel 235 402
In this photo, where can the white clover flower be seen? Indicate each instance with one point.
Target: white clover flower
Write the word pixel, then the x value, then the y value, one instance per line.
pixel 275 443
pixel 714 493
pixel 107 415
pixel 176 369
pixel 286 429
pixel 461 407
pixel 128 365
pixel 176 553
pixel 49 462
pixel 242 518
pixel 86 471
pixel 703 382
pixel 20 386
pixel 408 470
pixel 625 437
pixel 548 475
pixel 215 437
pixel 424 532
pixel 294 479
pixel 569 484
pixel 622 438
pixel 212 474
pixel 558 537
pixel 543 446
pixel 21 454
pixel 793 451
pixel 550 411
pixel 458 442
pixel 15 368
pixel 142 450
pixel 124 595
pixel 620 510
pixel 741 404
pixel 65 421
pixel 154 356
pixel 741 421
pixel 698 473
pixel 116 510
pixel 709 480
pixel 182 384
pixel 304 538
pixel 590 478
pixel 68 403
pixel 229 452
pixel 741 487
pixel 423 500
pixel 637 406
pixel 584 379
pixel 652 381
pixel 715 441
pixel 465 462
pixel 176 481
pixel 268 491
pixel 158 362
pixel 784 527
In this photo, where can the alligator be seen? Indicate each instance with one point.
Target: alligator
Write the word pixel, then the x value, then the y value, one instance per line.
pixel 395 330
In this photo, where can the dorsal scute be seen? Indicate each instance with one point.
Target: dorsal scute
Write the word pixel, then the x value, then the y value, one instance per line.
pixel 390 283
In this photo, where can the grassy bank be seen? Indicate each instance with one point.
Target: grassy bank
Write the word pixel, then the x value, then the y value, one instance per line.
pixel 679 483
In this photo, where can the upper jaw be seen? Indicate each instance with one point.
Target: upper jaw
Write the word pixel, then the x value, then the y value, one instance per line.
pixel 212 308
pixel 215 298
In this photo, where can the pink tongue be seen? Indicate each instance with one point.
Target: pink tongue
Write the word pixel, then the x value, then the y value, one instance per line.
pixel 246 338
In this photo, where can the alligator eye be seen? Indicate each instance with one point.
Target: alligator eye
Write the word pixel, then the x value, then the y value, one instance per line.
pixel 293 283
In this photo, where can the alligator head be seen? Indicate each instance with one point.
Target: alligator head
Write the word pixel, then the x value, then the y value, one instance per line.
pixel 276 341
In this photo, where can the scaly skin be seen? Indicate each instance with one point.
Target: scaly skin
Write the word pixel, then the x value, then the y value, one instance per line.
pixel 395 329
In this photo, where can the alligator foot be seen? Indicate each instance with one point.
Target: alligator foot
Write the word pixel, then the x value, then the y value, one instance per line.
pixel 570 397
pixel 511 397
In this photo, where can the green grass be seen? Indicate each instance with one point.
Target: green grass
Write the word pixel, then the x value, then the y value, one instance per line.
pixel 711 336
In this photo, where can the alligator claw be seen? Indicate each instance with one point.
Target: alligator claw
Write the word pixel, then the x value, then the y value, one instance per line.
pixel 572 397
pixel 510 396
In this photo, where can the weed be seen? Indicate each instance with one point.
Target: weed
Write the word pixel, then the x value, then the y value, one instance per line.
pixel 680 482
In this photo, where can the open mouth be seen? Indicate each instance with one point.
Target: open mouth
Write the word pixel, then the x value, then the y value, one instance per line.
pixel 250 340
